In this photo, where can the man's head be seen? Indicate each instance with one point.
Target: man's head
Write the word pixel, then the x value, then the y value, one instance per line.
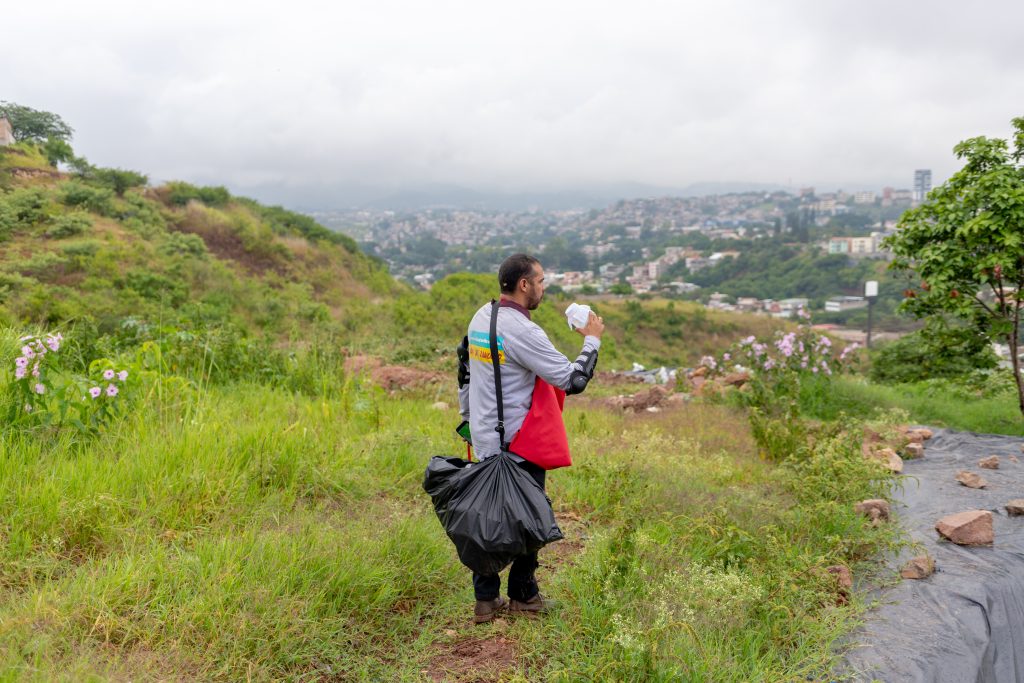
pixel 522 280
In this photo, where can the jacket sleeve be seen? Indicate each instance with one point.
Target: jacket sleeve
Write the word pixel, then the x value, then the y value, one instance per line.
pixel 463 355
pixel 535 351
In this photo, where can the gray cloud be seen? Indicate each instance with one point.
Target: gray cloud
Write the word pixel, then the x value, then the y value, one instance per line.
pixel 526 96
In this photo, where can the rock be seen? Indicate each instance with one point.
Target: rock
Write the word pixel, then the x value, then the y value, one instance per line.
pixel 918 568
pixel 699 372
pixel 888 458
pixel 736 379
pixel 971 527
pixel 1015 507
pixel 844 582
pixel 913 450
pixel 440 405
pixel 1013 458
pixel 873 508
pixel 989 463
pixel 918 435
pixel 653 409
pixel 678 398
pixel 698 382
pixel 971 480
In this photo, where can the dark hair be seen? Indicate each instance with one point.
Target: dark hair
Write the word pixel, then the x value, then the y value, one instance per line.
pixel 513 269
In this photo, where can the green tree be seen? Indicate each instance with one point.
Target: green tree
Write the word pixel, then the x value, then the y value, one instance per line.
pixel 57 150
pixel 32 124
pixel 966 243
pixel 119 180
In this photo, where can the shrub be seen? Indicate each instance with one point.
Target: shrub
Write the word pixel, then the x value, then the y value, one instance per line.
pixel 96 199
pixel 930 353
pixel 21 208
pixel 186 244
pixel 119 180
pixel 181 194
pixel 69 225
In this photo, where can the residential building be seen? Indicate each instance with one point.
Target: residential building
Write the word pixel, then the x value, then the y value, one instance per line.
pixel 844 303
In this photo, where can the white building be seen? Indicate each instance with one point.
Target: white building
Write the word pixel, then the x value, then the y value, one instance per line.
pixel 6 132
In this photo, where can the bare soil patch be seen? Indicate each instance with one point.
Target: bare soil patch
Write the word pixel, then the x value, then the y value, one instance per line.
pixel 473 660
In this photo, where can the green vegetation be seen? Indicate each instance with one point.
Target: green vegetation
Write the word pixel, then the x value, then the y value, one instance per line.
pixel 199 486
pixel 966 245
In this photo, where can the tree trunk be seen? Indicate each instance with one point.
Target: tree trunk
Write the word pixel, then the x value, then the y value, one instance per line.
pixel 1014 343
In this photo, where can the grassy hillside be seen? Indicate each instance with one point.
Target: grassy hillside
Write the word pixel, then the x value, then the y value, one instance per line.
pixel 156 263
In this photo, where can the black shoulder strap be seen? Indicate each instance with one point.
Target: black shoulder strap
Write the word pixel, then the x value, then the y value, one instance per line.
pixel 497 375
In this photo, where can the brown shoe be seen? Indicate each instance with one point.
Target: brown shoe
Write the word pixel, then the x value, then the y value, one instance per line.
pixel 488 609
pixel 538 604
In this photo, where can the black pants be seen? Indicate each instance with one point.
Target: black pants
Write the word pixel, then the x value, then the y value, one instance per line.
pixel 522 584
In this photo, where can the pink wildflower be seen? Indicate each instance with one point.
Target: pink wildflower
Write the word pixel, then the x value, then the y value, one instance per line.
pixel 20 373
pixel 726 356
pixel 40 389
pixel 123 375
pixel 21 362
pixel 111 390
pixel 27 351
pixel 95 392
pixel 108 374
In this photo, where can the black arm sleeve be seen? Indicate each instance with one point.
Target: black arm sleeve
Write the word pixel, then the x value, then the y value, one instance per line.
pixel 463 353
pixel 583 372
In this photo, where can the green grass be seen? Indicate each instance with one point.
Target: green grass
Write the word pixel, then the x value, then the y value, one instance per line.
pixel 936 403
pixel 255 534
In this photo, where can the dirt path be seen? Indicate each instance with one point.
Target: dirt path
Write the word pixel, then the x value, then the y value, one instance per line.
pixel 472 653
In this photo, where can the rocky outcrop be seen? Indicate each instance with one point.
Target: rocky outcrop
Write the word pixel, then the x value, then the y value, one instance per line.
pixel 920 567
pixel 971 480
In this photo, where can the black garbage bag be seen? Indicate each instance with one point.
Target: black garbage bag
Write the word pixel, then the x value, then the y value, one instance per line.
pixel 493 511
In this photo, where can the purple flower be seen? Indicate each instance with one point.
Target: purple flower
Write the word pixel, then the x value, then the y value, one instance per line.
pixel 95 392
pixel 709 362
pixel 21 362
pixel 20 373
pixel 111 390
pixel 726 356
pixel 35 370
pixel 108 374
pixel 814 369
pixel 123 375
pixel 40 389
pixel 53 343
pixel 27 351
pixel 749 340
pixel 769 364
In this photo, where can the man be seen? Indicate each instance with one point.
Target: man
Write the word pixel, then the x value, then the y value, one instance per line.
pixel 524 352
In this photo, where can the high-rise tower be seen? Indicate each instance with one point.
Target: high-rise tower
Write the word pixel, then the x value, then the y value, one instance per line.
pixel 922 184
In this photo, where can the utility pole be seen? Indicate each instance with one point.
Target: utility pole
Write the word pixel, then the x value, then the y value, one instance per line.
pixel 871 294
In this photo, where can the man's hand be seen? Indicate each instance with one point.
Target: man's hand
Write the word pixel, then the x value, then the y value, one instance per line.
pixel 594 326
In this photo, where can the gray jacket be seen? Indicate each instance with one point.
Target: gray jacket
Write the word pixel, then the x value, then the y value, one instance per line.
pixel 524 351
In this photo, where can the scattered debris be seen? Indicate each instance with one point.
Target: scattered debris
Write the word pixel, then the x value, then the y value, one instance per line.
pixel 971 480
pixel 874 508
pixel 971 527
pixel 989 463
pixel 918 568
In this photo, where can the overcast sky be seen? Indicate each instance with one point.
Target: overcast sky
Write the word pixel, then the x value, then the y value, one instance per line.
pixel 519 96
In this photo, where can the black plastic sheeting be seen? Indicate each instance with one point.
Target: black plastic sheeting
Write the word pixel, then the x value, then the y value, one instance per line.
pixel 965 623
